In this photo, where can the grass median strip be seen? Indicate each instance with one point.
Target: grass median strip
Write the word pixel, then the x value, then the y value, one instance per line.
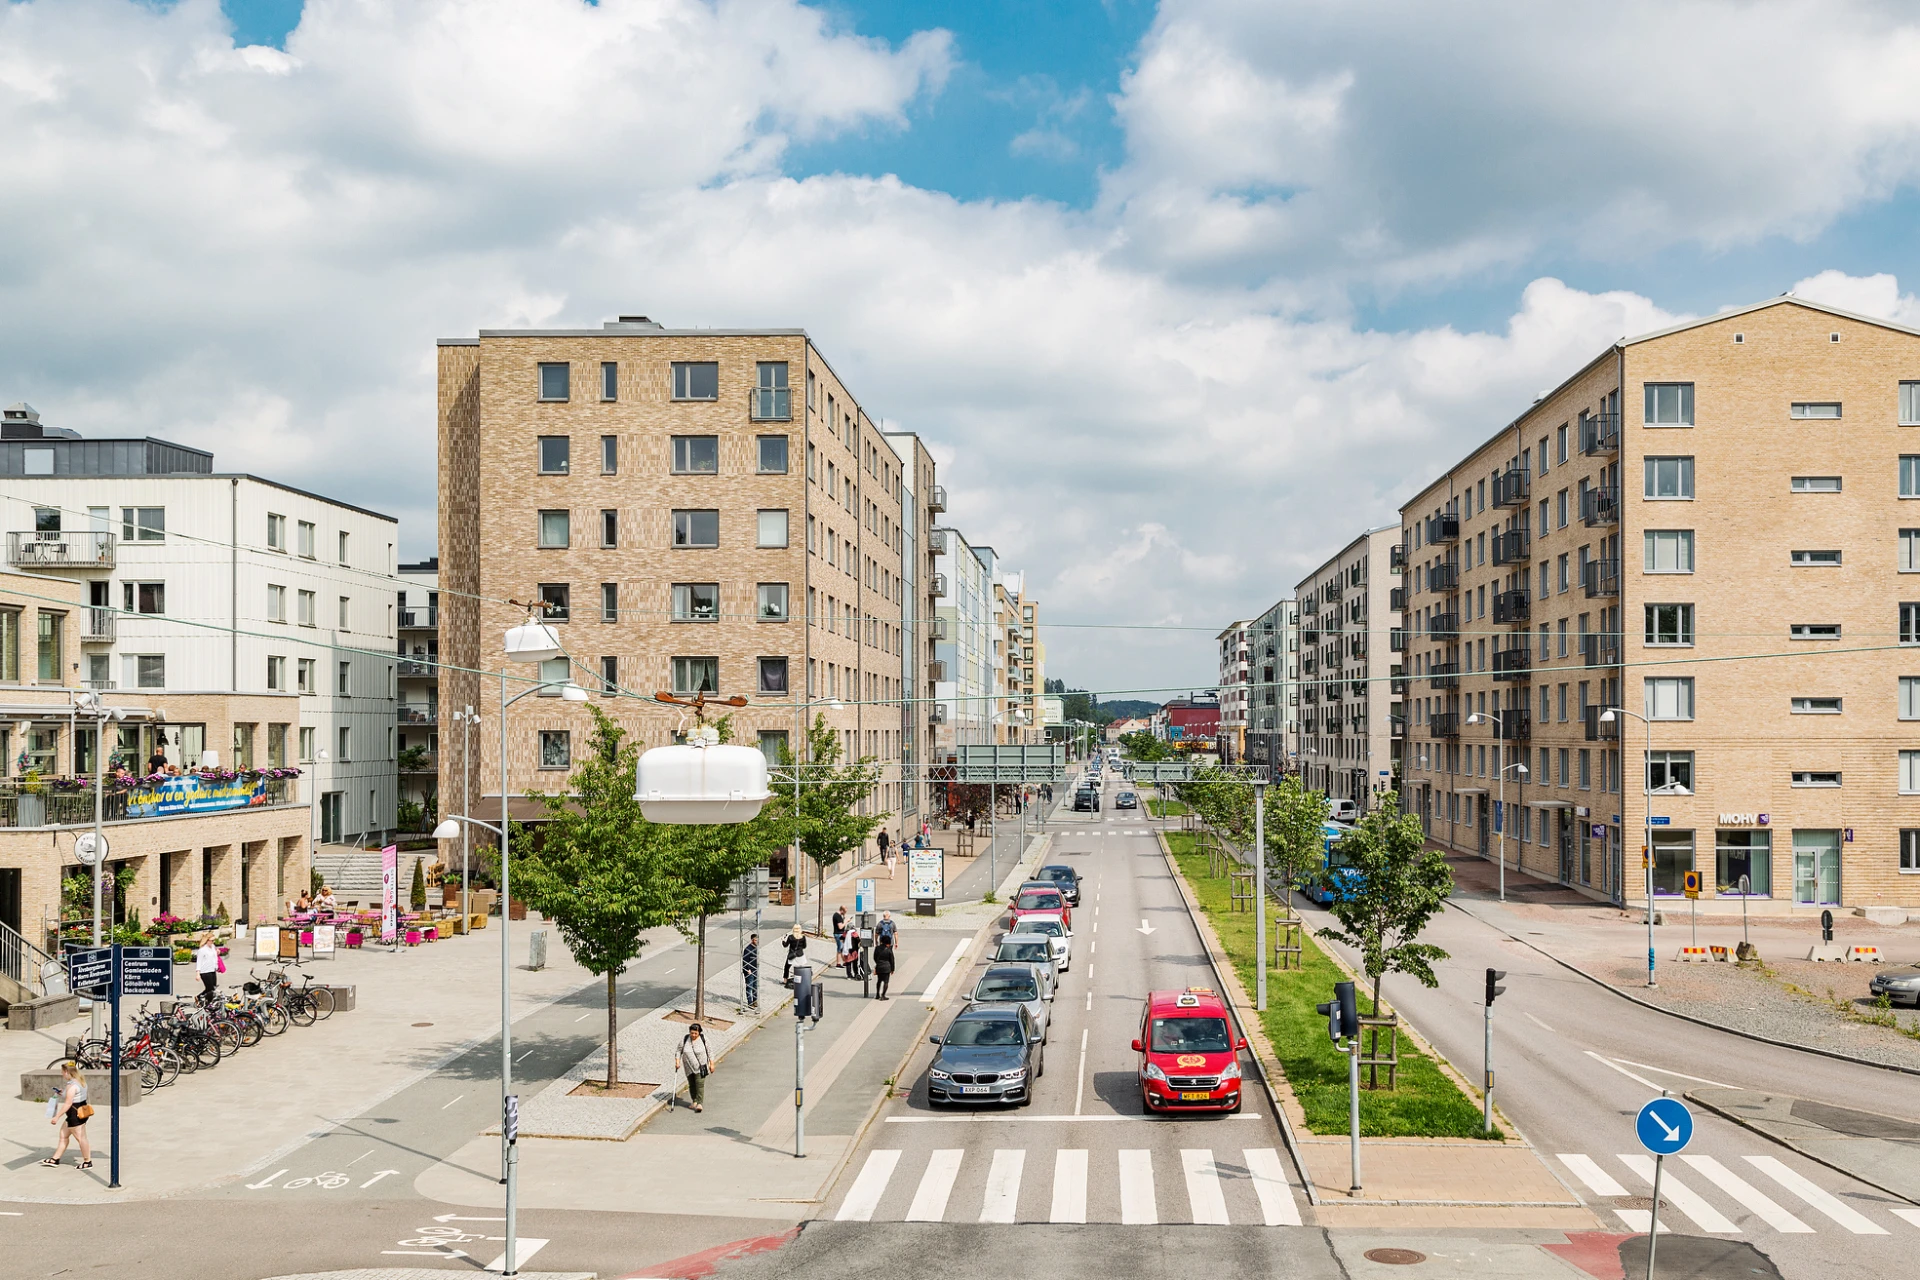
pixel 1167 808
pixel 1426 1105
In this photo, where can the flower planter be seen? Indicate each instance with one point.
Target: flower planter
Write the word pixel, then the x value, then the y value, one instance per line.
pixel 516 910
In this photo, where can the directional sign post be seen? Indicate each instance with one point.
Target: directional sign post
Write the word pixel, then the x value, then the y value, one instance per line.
pixel 90 970
pixel 1664 1127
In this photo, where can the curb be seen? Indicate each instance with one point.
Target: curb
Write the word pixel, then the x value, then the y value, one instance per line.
pixel 1744 1123
pixel 1570 967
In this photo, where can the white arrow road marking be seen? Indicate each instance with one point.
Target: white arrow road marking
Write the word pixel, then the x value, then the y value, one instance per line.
pixel 427 1253
pixel 523 1248
pixel 454 1217
pixel 264 1182
pixel 376 1177
pixel 1146 928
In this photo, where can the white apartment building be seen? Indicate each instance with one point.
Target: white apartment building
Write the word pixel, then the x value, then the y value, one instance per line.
pixel 1351 673
pixel 1233 691
pixel 1273 687
pixel 200 581
pixel 964 679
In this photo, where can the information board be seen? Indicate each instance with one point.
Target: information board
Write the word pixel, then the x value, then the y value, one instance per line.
pixel 926 874
pixel 90 969
pixel 146 971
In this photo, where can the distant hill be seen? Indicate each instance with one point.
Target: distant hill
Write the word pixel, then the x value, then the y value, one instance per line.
pixel 1126 708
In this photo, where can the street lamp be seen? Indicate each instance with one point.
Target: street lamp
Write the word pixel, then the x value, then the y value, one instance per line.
pixel 1506 819
pixel 1611 716
pixel 466 719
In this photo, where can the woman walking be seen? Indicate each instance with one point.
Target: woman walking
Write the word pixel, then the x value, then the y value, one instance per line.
pixel 882 965
pixel 70 1112
pixel 697 1063
pixel 206 962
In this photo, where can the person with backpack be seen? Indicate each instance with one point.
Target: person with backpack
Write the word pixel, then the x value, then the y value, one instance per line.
pixel 887 931
pixel 693 1058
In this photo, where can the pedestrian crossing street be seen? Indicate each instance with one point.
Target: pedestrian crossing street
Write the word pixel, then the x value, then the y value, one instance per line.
pixel 1247 1186
pixel 1686 1205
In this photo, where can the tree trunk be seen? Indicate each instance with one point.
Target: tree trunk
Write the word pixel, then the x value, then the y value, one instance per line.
pixel 700 972
pixel 1376 994
pixel 820 905
pixel 613 1028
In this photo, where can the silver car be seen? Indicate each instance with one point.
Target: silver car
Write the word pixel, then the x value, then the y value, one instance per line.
pixel 1035 949
pixel 1057 933
pixel 1014 984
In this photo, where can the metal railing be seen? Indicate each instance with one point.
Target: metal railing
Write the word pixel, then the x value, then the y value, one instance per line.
pixel 1443 528
pixel 99 627
pixel 1513 606
pixel 1600 650
pixel 1513 663
pixel 44 805
pixel 1515 724
pixel 420 619
pixel 1600 506
pixel 22 961
pixel 1397 556
pixel 415 667
pixel 1512 546
pixel 1443 577
pixel 1444 675
pixel 1599 433
pixel 937 499
pixel 1601 578
pixel 1444 724
pixel 937 588
pixel 1599 730
pixel 415 714
pixel 90 550
pixel 1444 626
pixel 1510 487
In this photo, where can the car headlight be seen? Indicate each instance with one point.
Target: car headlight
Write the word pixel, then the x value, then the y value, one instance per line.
pixel 935 1073
pixel 1155 1073
pixel 1013 1077
pixel 1232 1071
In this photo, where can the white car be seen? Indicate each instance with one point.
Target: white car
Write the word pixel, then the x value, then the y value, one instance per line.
pixel 1059 937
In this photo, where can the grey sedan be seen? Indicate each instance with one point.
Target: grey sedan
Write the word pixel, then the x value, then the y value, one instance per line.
pixel 1014 984
pixel 1031 949
pixel 1900 986
pixel 991 1053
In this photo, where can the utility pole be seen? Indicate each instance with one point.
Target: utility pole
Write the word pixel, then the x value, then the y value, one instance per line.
pixel 1260 890
pixel 1486 1051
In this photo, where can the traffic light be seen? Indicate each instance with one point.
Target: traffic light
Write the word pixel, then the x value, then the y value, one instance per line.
pixel 1493 984
pixel 1342 1014
pixel 809 997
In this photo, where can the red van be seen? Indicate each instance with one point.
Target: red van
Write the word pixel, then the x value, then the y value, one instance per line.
pixel 1188 1054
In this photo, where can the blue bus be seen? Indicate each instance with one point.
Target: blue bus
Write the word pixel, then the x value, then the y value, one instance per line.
pixel 1332 880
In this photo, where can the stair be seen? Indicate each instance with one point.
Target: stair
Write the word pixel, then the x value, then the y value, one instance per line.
pixel 20 968
pixel 354 874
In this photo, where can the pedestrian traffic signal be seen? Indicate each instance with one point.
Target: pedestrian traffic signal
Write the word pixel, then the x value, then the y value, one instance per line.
pixel 1493 984
pixel 809 997
pixel 1342 1014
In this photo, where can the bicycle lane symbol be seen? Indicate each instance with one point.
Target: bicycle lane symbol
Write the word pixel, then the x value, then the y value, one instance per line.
pixel 438 1242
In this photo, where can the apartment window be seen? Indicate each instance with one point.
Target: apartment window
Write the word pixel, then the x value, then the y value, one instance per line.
pixel 307 736
pixel 1824 559
pixel 556 749
pixel 276 674
pixel 276 532
pixel 1560 444
pixel 1586 769
pixel 1910 773
pixel 555 455
pixel 1910 404
pixel 1669 478
pixel 1566 771
pixel 1669 404
pixel 773 675
pixel 1670 769
pixel 696 602
pixel 770 396
pixel 609 455
pixel 143 597
pixel 773 742
pixel 1814 706
pixel 609 676
pixel 1831 484
pixel 773 455
pixel 143 524
pixel 346 605
pixel 1910 475
pixel 343 680
pixel 696 380
pixel 1669 550
pixel 1563 572
pixel 609 380
pixel 609 602
pixel 1813 631
pixel 276 603
pixel 555 596
pixel 1910 697
pixel 1910 623
pixel 1815 409
pixel 145 670
pixel 772 603
pixel 307 672
pixel 773 529
pixel 696 455
pixel 696 675
pixel 1669 624
pixel 305 531
pixel 308 605
pixel 1909 551
pixel 696 528
pixel 609 528
pixel 554 674
pixel 1818 777
pixel 554 382
pixel 1669 697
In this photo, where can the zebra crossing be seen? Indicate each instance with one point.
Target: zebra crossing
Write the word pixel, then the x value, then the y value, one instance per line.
pixel 1246 1186
pixel 1756 1191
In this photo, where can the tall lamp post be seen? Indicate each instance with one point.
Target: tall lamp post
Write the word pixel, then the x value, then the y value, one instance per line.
pixel 531 642
pixel 466 718
pixel 1516 768
pixel 1611 716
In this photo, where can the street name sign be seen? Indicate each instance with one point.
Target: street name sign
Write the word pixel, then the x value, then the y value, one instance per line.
pixel 146 971
pixel 90 969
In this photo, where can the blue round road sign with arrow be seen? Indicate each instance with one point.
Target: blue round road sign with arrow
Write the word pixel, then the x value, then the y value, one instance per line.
pixel 1664 1126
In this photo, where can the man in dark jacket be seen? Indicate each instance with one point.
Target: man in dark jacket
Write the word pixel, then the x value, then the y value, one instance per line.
pixel 882 967
pixel 750 970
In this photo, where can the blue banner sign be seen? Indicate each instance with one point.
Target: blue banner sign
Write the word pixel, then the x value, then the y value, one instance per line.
pixel 194 794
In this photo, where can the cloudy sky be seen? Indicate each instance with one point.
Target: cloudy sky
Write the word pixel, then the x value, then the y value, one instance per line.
pixel 1184 295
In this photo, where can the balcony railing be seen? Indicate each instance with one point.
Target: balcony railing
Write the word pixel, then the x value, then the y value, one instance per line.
pixel 91 550
pixel 1444 724
pixel 1601 578
pixel 1600 433
pixel 100 625
pixel 1600 506
pixel 1333 588
pixel 936 671
pixel 1444 675
pixel 1513 546
pixel 1599 730
pixel 47 804
pixel 937 499
pixel 1397 598
pixel 429 763
pixel 1515 724
pixel 937 629
pixel 1443 577
pixel 1513 663
pixel 1336 690
pixel 937 542
pixel 420 619
pixel 936 713
pixel 416 714
pixel 1600 650
pixel 1443 528
pixel 1397 640
pixel 937 586
pixel 1399 685
pixel 413 667
pixel 1513 606
pixel 1444 626
pixel 1397 556
pixel 1356 688
pixel 1510 487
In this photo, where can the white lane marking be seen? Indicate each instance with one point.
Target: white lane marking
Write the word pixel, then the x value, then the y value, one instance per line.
pixel 1680 1074
pixel 1136 1189
pixel 1093 948
pixel 1089 1002
pixel 1637 1221
pixel 1536 1022
pixel 1096 926
pixel 1684 1197
pixel 1609 1062
pixel 1204 1195
pixel 863 1197
pixel 1598 1180
pixel 936 1184
pixel 443 1108
pixel 940 976
pixel 1278 1208
pixel 523 1248
pixel 1830 1205
pixel 583 1017
pixel 523 1057
pixel 1755 1201
pixel 1003 1186
pixel 1069 1186
pixel 1080 1077
pixel 1909 1215
pixel 369 1151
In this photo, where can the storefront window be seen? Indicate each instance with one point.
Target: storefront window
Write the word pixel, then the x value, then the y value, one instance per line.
pixel 1816 867
pixel 1743 853
pixel 1672 859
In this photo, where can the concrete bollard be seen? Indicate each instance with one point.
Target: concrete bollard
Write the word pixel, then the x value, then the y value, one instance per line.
pixel 537 949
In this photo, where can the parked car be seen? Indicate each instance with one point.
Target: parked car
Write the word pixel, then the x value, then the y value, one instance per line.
pixel 1034 950
pixel 1034 899
pixel 1057 933
pixel 1015 984
pixel 1900 986
pixel 1064 876
pixel 990 1053
pixel 1086 799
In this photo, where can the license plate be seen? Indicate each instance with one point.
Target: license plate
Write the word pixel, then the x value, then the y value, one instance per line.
pixel 1195 1097
pixel 981 1088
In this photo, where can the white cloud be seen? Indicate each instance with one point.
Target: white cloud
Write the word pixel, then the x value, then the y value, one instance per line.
pixel 1876 295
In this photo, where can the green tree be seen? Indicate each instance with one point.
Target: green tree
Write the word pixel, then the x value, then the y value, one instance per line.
pixel 1396 884
pixel 1296 839
pixel 823 820
pixel 599 871
pixel 1142 745
pixel 417 895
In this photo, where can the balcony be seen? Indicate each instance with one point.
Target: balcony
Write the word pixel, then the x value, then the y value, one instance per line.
pixel 1397 599
pixel 937 629
pixel 420 619
pixel 1397 640
pixel 1310 635
pixel 1333 589
pixel 1601 578
pixel 1599 433
pixel 1513 663
pixel 99 627
pixel 937 542
pixel 1310 694
pixel 1399 685
pixel 61 550
pixel 417 713
pixel 937 499
pixel 429 763
pixel 1512 546
pixel 1513 606
pixel 937 713
pixel 1444 627
pixel 1599 730
pixel 1397 556
pixel 1444 577
pixel 1600 650
pixel 936 671
pixel 1356 689
pixel 1511 487
pixel 52 804
pixel 1443 528
pixel 1515 724
pixel 1444 675
pixel 1600 506
pixel 937 586
pixel 1444 724
pixel 413 668
pixel 1336 690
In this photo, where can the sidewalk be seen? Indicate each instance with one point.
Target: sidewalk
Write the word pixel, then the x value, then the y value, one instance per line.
pixel 1609 945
